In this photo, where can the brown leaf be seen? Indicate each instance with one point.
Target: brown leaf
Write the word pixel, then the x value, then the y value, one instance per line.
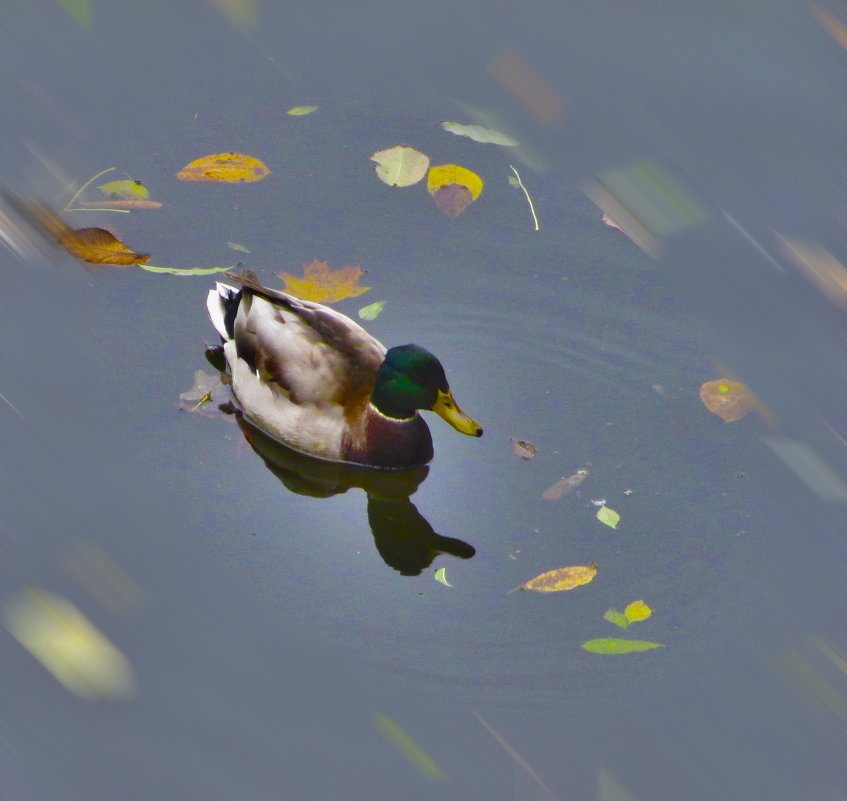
pixel 562 578
pixel 226 167
pixel 323 285
pixel 452 199
pixel 729 400
pixel 564 486
pixel 98 246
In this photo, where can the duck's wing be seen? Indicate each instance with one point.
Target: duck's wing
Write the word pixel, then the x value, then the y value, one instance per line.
pixel 306 351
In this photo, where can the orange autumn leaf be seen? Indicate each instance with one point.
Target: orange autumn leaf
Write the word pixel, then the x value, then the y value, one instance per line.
pixel 98 246
pixel 321 284
pixel 226 167
pixel 729 400
pixel 562 578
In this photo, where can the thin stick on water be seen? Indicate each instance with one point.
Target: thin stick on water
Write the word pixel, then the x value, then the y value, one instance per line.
pixel 528 198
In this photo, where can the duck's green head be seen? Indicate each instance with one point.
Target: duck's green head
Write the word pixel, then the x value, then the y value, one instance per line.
pixel 412 378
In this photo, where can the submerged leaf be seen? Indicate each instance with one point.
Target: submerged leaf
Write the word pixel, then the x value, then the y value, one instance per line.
pixel 206 396
pixel 400 166
pixel 729 400
pixel 322 285
pixel 616 617
pixel 372 311
pixel 526 450
pixel 480 133
pixel 608 516
pixel 564 486
pixel 225 167
pixel 98 246
pixel 562 578
pixel 610 645
pixel 452 199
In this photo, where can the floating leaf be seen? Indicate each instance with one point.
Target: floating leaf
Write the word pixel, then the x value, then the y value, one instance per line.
pixel 637 610
pixel 98 246
pixel 187 270
pixel 323 285
pixel 445 175
pixel 116 204
pixel 301 111
pixel 526 450
pixel 616 617
pixel 226 167
pixel 608 516
pixel 729 400
pixel 562 578
pixel 611 645
pixel 480 133
pixel 372 311
pixel 125 190
pixel 69 646
pixel 564 486
pixel 441 575
pixel 452 199
pixel 400 166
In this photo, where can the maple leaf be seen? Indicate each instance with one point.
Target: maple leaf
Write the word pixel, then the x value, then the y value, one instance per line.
pixel 323 285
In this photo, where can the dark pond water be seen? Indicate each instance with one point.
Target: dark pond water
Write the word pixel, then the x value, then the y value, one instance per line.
pixel 277 637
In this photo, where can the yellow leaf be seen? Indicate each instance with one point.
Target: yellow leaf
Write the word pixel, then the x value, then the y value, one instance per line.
pixel 322 285
pixel 637 610
pixel 226 167
pixel 126 189
pixel 729 400
pixel 441 575
pixel 610 645
pixel 608 516
pixel 562 578
pixel 69 646
pixel 446 174
pixel 301 111
pixel 98 246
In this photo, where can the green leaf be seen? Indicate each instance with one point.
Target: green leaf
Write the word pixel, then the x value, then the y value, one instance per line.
pixel 611 645
pixel 188 271
pixel 618 618
pixel 608 516
pixel 301 111
pixel 441 575
pixel 125 190
pixel 372 311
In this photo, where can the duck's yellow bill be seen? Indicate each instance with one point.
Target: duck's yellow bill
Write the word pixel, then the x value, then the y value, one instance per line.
pixel 447 408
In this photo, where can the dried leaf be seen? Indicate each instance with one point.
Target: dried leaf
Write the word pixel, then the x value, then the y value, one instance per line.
pixel 400 166
pixel 372 311
pixel 322 285
pixel 481 134
pixel 610 645
pixel 636 611
pixel 564 486
pixel 729 400
pixel 225 167
pixel 616 617
pixel 98 246
pixel 301 111
pixel 117 204
pixel 562 578
pixel 441 575
pixel 608 516
pixel 526 450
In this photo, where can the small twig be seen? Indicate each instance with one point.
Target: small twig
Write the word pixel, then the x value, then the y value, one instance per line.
pixel 85 186
pixel 528 198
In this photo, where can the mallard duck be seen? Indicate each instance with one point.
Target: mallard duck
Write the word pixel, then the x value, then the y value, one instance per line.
pixel 318 382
